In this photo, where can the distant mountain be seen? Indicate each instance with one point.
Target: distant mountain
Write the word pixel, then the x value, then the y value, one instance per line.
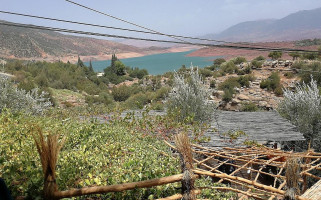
pixel 300 25
pixel 18 42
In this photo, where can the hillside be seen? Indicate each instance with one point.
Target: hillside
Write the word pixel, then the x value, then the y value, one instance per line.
pixel 228 53
pixel 25 43
pixel 300 25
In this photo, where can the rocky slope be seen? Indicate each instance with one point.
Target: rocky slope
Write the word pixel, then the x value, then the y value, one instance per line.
pixel 24 43
pixel 264 99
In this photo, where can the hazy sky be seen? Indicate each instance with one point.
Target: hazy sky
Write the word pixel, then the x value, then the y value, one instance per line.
pixel 184 17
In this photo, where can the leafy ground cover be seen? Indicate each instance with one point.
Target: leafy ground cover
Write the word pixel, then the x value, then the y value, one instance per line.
pixel 93 154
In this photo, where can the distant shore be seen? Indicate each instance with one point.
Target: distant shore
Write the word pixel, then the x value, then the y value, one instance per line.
pixel 74 58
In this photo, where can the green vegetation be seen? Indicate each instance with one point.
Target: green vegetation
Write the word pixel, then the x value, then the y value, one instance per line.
pixel 117 72
pixel 256 64
pixel 310 70
pixel 289 75
pixel 272 83
pixel 19 100
pixel 102 98
pixel 239 60
pixel 137 73
pixel 310 56
pixel 121 93
pixel 55 75
pixel 219 61
pixel 259 58
pixel 295 55
pixel 94 154
pixel 228 95
pixel 246 70
pixel 249 107
pixel 240 81
pixel 229 85
pixel 228 67
pixel 189 97
pixel 205 73
pixel 212 84
pixel 275 55
pixel 65 82
pixel 308 42
pixel 302 107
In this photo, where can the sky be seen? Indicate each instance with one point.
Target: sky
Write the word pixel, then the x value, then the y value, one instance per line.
pixel 180 17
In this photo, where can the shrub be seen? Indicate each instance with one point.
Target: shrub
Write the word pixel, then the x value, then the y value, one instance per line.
pixel 256 64
pixel 157 106
pixel 212 84
pixel 229 67
pixel 278 91
pixel 161 93
pixel 239 60
pixel 310 56
pixel 289 75
pixel 244 81
pixel 229 83
pixel 303 108
pixel 228 95
pixel 232 82
pixel 247 70
pixel 259 58
pixel 137 101
pixel 138 73
pixel 275 55
pixel 212 67
pixel 272 82
pixel 249 107
pixel 298 65
pixel 190 98
pixel 205 72
pixel 121 93
pixel 219 61
pixel 19 100
pixel 102 98
pixel 313 69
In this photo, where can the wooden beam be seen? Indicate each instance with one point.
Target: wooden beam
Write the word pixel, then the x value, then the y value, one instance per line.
pixel 118 187
pixel 259 185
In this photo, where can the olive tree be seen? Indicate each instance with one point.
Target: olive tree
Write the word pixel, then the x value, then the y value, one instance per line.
pixel 189 96
pixel 302 108
pixel 18 100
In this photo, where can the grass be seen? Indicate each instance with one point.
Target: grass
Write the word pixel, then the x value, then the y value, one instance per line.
pixel 64 95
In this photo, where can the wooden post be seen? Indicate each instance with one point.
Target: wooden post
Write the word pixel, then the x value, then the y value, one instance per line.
pixel 185 152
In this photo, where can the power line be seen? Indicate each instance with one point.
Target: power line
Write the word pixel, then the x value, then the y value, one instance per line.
pixel 125 29
pixel 172 36
pixel 128 22
pixel 111 27
pixel 154 40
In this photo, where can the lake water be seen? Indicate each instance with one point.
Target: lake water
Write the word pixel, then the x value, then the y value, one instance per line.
pixel 158 63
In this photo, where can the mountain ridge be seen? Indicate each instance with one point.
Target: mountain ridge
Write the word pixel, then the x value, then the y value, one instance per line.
pixel 304 24
pixel 27 43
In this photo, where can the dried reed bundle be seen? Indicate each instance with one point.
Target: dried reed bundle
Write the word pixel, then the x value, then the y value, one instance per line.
pixel 48 152
pixel 184 147
pixel 292 175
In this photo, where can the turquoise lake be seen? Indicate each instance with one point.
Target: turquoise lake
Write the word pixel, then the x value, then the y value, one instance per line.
pixel 158 63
